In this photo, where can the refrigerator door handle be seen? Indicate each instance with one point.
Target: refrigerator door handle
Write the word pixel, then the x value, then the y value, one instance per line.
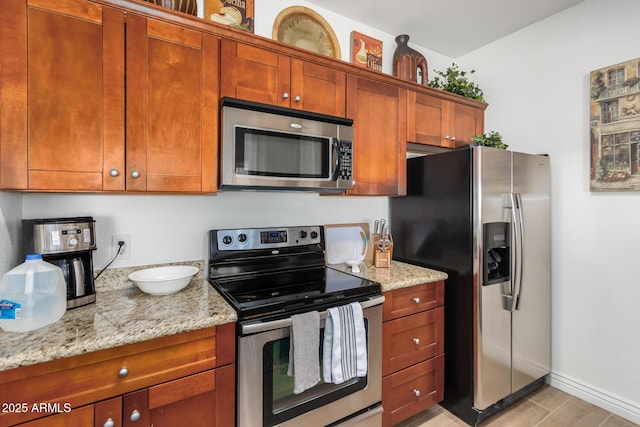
pixel 520 259
pixel 517 250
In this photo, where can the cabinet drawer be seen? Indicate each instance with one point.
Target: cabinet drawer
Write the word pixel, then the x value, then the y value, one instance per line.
pixel 414 299
pixel 412 339
pixel 412 390
pixel 91 377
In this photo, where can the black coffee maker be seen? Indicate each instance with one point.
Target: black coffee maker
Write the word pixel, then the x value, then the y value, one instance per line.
pixel 68 243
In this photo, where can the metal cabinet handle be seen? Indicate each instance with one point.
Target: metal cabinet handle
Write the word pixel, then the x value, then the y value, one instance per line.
pixel 114 172
pixel 297 99
pixel 453 138
pixel 416 300
pixel 135 415
pixel 285 95
pixel 123 372
pixel 447 137
pixel 135 174
pixel 416 341
pixel 416 392
pixel 109 423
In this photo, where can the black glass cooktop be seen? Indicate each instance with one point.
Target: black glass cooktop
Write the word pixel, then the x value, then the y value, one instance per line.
pixel 288 292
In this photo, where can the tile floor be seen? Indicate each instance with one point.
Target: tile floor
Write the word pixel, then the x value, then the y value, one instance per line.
pixel 546 407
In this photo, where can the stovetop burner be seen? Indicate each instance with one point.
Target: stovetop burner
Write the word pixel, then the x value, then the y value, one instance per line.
pixel 279 271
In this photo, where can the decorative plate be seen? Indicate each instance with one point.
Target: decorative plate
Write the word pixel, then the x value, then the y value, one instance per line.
pixel 302 27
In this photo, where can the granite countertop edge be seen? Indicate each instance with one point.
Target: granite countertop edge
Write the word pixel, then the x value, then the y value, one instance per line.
pixel 125 315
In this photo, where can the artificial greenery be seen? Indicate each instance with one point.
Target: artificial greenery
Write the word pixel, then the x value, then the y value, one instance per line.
pixel 456 81
pixel 491 139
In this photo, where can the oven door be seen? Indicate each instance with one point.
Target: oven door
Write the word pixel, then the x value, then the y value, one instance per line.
pixel 265 392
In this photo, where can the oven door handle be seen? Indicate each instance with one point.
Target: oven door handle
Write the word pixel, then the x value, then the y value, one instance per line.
pixel 258 327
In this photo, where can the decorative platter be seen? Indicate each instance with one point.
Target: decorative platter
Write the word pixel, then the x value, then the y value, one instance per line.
pixel 302 27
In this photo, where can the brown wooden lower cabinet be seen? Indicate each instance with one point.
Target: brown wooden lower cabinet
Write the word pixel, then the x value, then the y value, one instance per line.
pixel 413 351
pixel 185 379
pixel 412 390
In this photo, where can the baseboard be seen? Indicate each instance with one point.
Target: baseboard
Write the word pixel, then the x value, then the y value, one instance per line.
pixel 611 403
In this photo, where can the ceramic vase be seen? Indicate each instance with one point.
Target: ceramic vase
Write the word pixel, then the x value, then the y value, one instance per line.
pixel 186 6
pixel 409 64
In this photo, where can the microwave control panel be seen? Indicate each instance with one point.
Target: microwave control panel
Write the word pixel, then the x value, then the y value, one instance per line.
pixel 346 160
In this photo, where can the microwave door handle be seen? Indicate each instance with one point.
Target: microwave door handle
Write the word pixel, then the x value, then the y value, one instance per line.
pixel 335 158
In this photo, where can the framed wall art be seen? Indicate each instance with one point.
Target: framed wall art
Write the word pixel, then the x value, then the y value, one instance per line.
pixel 366 51
pixel 615 127
pixel 234 13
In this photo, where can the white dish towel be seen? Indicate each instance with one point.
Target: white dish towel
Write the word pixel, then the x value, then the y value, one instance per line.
pixel 304 344
pixel 345 344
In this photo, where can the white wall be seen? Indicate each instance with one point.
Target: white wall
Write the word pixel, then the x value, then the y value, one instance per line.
pixel 174 228
pixel 10 217
pixel 537 84
pixel 267 10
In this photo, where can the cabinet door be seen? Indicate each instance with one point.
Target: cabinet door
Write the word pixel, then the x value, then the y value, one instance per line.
pixel 207 398
pixel 62 122
pixel 425 119
pixel 317 88
pixel 465 122
pixel 379 112
pixel 171 108
pixel 255 74
pixel 108 413
pixel 80 417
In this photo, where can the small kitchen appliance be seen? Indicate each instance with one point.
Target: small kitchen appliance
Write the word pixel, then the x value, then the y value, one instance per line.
pixel 482 215
pixel 268 275
pixel 266 147
pixel 68 243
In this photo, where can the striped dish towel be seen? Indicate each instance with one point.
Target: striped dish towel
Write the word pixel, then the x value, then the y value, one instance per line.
pixel 345 344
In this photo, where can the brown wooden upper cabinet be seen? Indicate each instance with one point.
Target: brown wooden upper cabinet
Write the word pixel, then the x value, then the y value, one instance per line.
pixel 440 122
pixel 171 108
pixel 62 123
pixel 379 112
pixel 269 77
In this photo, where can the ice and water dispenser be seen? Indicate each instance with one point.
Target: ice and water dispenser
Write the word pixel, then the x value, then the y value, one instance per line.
pixel 496 253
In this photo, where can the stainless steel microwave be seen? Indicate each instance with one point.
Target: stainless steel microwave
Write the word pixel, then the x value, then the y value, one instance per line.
pixel 266 147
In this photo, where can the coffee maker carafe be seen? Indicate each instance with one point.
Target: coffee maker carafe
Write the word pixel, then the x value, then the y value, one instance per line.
pixel 68 243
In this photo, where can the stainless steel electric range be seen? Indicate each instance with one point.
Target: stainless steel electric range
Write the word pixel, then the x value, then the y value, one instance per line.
pixel 267 275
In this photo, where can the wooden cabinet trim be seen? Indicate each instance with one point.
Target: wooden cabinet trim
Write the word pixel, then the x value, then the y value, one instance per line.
pixel 413 299
pixel 83 379
pixel 412 339
pixel 398 390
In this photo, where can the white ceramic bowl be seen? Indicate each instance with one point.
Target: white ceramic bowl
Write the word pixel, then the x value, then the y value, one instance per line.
pixel 163 280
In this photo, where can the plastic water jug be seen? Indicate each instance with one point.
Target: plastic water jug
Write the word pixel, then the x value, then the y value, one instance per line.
pixel 32 295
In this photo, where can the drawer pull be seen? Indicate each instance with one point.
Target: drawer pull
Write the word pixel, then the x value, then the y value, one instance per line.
pixel 114 172
pixel 416 300
pixel 297 99
pixel 123 372
pixel 135 174
pixel 109 423
pixel 285 95
pixel 135 415
pixel 416 341
pixel 416 392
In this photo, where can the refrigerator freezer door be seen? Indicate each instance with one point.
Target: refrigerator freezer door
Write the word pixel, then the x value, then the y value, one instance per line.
pixel 491 190
pixel 531 322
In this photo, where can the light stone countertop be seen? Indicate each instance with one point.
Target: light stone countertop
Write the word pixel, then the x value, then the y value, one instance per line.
pixel 124 315
pixel 399 275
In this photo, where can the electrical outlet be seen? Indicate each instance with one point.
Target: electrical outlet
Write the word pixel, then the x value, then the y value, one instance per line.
pixel 125 252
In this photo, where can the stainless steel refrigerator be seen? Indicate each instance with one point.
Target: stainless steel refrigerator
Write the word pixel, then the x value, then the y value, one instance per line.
pixel 482 215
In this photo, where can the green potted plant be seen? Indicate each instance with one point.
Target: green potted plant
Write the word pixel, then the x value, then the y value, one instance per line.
pixel 456 81
pixel 491 139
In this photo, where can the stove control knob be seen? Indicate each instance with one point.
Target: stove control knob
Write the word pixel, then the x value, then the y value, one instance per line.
pixel 303 234
pixel 314 234
pixel 242 237
pixel 227 240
